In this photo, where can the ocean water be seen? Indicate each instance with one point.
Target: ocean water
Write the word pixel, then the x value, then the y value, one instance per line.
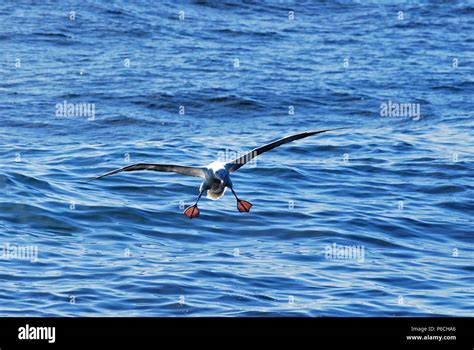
pixel 373 220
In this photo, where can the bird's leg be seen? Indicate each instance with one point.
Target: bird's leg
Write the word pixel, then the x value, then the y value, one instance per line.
pixel 242 205
pixel 193 210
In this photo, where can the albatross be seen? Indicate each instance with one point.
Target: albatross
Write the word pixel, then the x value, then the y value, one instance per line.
pixel 216 175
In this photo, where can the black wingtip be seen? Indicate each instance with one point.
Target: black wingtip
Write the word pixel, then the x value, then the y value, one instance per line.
pixel 90 180
pixel 341 128
pixel 326 130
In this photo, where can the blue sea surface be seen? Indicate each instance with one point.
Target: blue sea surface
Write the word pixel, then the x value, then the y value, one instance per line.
pixel 189 82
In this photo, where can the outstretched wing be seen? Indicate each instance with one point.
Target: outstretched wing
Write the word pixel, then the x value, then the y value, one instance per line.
pixel 241 161
pixel 184 170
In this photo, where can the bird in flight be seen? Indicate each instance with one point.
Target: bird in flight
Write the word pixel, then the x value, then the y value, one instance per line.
pixel 216 175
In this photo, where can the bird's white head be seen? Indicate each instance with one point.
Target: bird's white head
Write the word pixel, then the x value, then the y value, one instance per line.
pixel 218 170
